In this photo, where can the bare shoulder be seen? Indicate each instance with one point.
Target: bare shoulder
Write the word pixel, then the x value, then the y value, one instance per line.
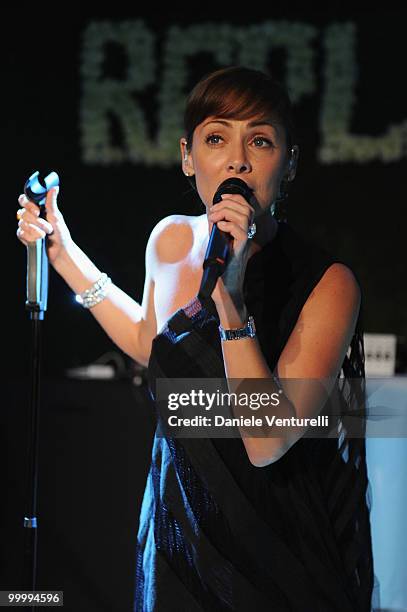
pixel 340 274
pixel 337 288
pixel 320 339
pixel 172 239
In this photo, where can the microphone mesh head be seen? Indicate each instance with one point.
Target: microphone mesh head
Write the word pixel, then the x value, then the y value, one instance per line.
pixel 233 185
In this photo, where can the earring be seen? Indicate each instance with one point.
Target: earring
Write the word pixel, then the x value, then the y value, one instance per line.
pixel 282 192
pixel 278 208
pixel 186 157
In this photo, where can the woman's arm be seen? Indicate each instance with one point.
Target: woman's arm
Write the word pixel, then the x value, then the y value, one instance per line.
pixel 130 325
pixel 315 349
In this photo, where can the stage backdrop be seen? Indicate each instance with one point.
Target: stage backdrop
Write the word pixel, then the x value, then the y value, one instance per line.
pixel 100 101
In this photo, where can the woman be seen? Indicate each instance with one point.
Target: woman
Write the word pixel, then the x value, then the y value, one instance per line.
pixel 250 522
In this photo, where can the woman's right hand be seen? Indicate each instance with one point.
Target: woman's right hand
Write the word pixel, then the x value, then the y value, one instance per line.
pixel 31 226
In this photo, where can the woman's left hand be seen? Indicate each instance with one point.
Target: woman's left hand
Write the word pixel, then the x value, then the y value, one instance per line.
pixel 232 215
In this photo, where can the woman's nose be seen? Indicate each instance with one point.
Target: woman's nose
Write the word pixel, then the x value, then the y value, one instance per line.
pixel 238 167
pixel 238 161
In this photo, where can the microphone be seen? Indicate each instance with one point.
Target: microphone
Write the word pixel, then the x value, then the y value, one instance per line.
pixel 218 250
pixel 36 190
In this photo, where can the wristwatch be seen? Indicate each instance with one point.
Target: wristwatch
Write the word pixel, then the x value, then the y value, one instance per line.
pixel 248 331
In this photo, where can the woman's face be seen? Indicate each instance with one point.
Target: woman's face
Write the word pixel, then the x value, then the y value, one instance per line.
pixel 252 150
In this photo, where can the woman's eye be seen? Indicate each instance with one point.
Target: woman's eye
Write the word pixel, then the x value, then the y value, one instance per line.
pixel 260 142
pixel 260 139
pixel 213 139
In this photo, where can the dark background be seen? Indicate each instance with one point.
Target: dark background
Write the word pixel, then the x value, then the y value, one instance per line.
pixel 96 436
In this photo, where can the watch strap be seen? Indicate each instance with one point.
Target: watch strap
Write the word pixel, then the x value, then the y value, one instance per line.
pixel 248 331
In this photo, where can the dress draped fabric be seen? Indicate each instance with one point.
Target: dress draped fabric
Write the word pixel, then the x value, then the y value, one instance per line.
pixel 217 533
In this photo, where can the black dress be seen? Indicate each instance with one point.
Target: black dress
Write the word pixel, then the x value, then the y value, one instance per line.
pixel 217 533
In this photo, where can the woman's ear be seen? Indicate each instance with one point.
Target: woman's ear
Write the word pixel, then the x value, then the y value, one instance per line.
pixel 292 163
pixel 187 163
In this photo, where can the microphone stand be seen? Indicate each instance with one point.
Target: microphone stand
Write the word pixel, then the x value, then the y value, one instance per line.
pixel 36 304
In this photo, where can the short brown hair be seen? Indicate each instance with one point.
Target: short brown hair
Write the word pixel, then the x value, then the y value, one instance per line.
pixel 238 92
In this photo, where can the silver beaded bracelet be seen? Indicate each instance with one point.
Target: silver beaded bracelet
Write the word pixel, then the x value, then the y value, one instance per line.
pixel 94 294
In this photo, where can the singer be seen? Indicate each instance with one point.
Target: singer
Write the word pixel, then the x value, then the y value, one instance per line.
pixel 245 523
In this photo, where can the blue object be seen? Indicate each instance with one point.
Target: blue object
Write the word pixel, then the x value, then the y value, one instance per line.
pixel 36 188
